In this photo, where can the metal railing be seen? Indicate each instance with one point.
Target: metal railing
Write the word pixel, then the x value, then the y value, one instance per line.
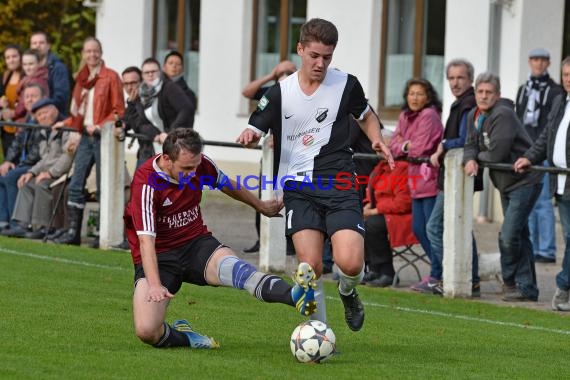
pixel 491 165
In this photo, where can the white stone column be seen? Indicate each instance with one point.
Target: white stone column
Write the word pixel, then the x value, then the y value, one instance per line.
pixel 112 202
pixel 272 250
pixel 457 227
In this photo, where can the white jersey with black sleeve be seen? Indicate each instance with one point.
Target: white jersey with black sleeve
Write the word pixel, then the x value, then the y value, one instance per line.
pixel 311 132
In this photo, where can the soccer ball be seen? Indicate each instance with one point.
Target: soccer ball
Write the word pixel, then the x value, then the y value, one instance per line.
pixel 313 342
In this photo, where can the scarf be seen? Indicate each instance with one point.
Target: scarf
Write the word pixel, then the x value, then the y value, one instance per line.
pixel 85 81
pixel 149 92
pixel 535 90
pixel 39 77
pixel 177 77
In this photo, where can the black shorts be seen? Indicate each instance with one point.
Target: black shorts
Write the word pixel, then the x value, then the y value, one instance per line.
pixel 326 210
pixel 185 264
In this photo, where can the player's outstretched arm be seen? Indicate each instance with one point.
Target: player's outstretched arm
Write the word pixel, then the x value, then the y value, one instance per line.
pixel 371 127
pixel 269 208
pixel 156 292
pixel 248 138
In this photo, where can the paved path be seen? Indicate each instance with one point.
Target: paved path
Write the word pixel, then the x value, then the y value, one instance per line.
pixel 233 223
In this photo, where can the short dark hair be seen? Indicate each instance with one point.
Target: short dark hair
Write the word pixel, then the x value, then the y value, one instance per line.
pixel 132 69
pixel 38 32
pixel 433 97
pixel 182 139
pixel 36 85
pixel 33 52
pixel 319 30
pixel 150 60
pixel 13 47
pixel 175 54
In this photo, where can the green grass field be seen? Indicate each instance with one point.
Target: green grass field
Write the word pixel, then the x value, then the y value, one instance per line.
pixel 66 314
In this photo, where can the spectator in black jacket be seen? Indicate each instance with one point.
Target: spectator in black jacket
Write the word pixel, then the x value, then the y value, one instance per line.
pixel 173 68
pixel 160 107
pixel 495 135
pixel 533 104
pixel 553 146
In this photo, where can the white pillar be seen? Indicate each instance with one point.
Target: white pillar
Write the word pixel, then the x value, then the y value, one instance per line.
pixel 526 25
pixel 272 250
pixel 112 201
pixel 457 227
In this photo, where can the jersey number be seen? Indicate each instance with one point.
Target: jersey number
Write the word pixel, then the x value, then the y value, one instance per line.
pixel 289 217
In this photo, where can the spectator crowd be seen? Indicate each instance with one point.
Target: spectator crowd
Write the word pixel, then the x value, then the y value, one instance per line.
pixel 48 160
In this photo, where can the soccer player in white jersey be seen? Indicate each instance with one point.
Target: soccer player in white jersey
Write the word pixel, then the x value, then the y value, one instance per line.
pixel 170 244
pixel 309 113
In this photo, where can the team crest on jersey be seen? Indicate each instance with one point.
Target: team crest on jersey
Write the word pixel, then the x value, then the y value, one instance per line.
pixel 321 114
pixel 308 140
pixel 263 102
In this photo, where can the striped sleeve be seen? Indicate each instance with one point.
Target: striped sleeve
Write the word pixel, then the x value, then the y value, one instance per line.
pixel 144 210
pixel 147 210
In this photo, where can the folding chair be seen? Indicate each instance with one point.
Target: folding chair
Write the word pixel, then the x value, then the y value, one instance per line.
pixel 403 247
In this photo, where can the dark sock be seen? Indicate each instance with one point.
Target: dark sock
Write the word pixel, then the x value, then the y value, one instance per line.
pixel 274 289
pixel 387 269
pixel 172 338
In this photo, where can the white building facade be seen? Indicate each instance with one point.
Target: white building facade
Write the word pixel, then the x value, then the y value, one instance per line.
pixel 227 43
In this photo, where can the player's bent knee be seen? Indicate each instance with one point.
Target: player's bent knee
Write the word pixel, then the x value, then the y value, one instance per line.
pixel 351 268
pixel 148 334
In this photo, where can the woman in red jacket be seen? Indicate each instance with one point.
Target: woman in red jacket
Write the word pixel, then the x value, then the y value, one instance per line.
pixel 388 220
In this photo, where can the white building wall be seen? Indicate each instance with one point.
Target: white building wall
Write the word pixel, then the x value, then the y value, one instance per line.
pixel 225 45
pixel 124 28
pixel 535 24
pixel 466 36
pixel 221 41
pixel 358 49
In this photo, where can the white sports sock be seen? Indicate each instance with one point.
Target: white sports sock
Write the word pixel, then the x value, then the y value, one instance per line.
pixel 347 283
pixel 321 313
pixel 239 274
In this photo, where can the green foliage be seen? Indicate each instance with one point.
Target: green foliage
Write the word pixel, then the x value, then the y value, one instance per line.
pixel 67 23
pixel 66 314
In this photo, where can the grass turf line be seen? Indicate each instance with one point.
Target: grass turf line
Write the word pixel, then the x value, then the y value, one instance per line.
pixel 67 314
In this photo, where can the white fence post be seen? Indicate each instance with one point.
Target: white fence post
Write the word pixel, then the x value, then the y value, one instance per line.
pixel 272 250
pixel 112 202
pixel 457 227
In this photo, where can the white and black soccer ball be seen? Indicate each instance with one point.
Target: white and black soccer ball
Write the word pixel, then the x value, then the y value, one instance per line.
pixel 313 342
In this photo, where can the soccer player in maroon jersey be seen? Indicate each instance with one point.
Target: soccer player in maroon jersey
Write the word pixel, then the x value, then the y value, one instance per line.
pixel 170 243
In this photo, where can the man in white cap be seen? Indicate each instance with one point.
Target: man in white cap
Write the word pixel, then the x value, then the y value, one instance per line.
pixel 533 103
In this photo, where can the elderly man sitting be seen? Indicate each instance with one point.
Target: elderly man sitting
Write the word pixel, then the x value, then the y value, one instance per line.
pixel 34 202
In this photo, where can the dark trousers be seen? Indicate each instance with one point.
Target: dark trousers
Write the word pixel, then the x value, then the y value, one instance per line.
pixel 517 260
pixel 378 253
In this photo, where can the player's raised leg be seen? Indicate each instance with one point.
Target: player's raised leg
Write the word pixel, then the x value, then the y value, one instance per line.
pixel 226 269
pixel 348 253
pixel 309 244
pixel 151 328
